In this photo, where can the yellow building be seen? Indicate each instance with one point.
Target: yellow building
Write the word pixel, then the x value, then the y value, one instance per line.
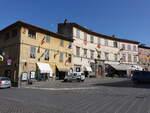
pixel 33 52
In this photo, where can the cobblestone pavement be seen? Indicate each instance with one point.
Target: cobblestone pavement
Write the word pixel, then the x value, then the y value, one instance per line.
pixel 61 84
pixel 109 96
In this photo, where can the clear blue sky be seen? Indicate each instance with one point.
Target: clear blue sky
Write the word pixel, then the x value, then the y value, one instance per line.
pixel 129 19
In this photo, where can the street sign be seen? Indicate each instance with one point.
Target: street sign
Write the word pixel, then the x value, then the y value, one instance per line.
pixel 9 61
pixel 24 76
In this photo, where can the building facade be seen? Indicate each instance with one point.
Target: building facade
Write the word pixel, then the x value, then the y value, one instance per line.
pixel 144 57
pixel 95 50
pixel 33 52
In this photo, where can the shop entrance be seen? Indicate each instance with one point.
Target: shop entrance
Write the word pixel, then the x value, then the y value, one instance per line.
pixel 61 73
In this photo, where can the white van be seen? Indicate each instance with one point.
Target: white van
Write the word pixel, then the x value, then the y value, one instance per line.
pixel 78 76
pixel 75 74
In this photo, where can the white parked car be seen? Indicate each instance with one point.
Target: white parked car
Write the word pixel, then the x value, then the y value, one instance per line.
pixel 78 76
pixel 5 82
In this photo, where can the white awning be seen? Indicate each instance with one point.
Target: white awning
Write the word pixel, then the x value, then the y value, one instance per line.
pixel 45 68
pixel 122 67
pixel 87 68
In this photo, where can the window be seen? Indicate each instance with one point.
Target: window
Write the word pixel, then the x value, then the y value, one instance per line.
pixel 78 33
pixel 145 60
pixel 123 46
pixel 32 34
pixel 106 56
pixel 106 42
pixel 46 57
pixel 85 52
pixel 92 65
pixel 116 57
pixel 78 51
pixel 78 69
pixel 134 48
pixel 62 43
pixel 69 58
pixel 85 36
pixel 129 57
pixel 70 45
pixel 92 54
pixel 47 39
pixel 99 54
pixel 61 57
pixel 98 40
pixel 32 52
pixel 92 39
pixel 135 58
pixel 129 47
pixel 124 58
pixel 14 33
pixel 115 44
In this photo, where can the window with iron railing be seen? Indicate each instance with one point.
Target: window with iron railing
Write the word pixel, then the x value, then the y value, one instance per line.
pixel 124 58
pixel 135 58
pixel 115 44
pixel 91 39
pixel 61 57
pixel 46 57
pixel 92 54
pixel 78 33
pixel 85 52
pixel 129 58
pixel 106 56
pixel 33 52
pixel 116 57
pixel 77 51
pixel 85 36
pixel 129 47
pixel 106 42
pixel 32 34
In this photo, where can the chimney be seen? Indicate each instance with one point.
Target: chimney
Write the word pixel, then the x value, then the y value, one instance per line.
pixel 65 21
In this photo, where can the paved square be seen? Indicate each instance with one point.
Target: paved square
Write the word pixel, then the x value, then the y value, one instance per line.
pixel 93 96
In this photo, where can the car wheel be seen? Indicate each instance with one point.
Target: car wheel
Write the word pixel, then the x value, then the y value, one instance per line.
pixel 65 80
pixel 78 80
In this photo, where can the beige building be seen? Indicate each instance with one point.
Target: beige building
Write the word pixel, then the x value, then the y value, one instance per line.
pixel 96 50
pixel 33 52
pixel 144 57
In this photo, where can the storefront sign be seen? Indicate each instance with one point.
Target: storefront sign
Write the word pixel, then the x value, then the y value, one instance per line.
pixel 32 74
pixel 24 76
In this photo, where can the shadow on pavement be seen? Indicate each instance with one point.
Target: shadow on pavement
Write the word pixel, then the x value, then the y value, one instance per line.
pixel 124 83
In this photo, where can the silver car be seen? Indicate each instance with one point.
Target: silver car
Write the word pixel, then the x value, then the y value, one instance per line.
pixel 5 82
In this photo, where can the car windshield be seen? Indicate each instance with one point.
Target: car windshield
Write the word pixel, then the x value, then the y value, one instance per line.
pixel 75 74
pixel 4 78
